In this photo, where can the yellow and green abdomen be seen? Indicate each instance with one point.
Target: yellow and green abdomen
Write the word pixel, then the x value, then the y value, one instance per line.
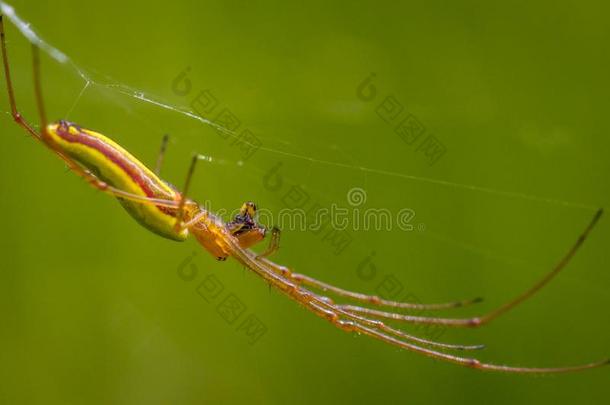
pixel 114 165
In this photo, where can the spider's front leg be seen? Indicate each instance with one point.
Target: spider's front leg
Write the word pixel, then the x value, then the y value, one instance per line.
pixel 248 232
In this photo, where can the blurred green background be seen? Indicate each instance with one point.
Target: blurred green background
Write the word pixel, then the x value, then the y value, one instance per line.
pixel 93 309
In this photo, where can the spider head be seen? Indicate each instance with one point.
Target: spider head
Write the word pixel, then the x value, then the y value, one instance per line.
pixel 248 209
pixel 244 221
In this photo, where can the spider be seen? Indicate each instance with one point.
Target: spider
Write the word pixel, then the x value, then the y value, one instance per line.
pixel 164 210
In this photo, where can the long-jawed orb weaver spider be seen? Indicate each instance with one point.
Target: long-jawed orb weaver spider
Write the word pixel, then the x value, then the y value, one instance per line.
pixel 164 210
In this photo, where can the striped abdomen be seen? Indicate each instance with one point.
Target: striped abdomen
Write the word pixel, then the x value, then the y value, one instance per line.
pixel 117 167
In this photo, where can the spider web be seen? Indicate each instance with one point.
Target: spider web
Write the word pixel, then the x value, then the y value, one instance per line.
pixel 280 147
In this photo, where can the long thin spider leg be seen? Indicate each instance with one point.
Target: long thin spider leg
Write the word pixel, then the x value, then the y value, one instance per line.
pixel 328 303
pixel 353 326
pixel 38 92
pixel 327 311
pixel 548 277
pixel 302 279
pixel 396 332
pixel 350 325
pixel 9 86
pixel 330 313
pixel 73 166
pixel 249 259
pixel 452 322
pixel 161 155
pixel 484 319
pixel 187 183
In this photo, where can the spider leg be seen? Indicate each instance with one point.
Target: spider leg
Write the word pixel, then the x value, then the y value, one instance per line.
pixel 353 326
pixel 392 331
pixel 44 138
pixel 161 155
pixel 302 279
pixel 306 297
pixel 493 314
pixel 452 322
pixel 183 199
pixel 327 310
pixel 9 86
pixel 334 315
pixel 274 243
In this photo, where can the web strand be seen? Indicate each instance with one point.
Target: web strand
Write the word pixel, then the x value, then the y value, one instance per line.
pixel 142 96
